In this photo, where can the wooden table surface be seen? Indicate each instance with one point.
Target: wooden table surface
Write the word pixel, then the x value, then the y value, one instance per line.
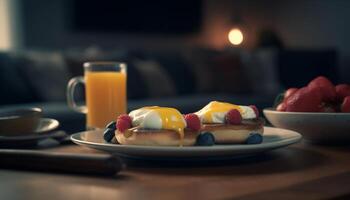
pixel 301 171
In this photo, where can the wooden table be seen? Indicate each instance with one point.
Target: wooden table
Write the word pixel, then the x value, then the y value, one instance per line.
pixel 300 171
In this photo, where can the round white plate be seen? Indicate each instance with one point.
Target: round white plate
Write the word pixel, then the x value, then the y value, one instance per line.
pixel 273 138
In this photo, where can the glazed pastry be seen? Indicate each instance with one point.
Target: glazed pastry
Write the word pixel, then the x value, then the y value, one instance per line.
pixel 231 124
pixel 156 126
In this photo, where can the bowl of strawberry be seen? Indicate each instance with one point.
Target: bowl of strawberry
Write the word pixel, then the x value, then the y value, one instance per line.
pixel 320 111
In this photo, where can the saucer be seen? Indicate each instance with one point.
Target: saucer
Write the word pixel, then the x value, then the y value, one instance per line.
pixel 19 121
pixel 45 129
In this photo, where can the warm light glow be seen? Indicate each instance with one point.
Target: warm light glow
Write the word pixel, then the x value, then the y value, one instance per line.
pixel 235 36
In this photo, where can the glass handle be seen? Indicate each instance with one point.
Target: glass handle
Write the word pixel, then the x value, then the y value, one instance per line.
pixel 70 94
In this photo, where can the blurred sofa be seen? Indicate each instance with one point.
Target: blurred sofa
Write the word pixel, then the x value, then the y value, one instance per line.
pixel 183 78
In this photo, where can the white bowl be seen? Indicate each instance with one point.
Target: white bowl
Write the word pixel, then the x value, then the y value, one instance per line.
pixel 315 127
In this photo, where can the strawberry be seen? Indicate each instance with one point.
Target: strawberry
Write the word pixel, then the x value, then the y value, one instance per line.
pixel 233 117
pixel 345 106
pixel 289 92
pixel 327 88
pixel 281 107
pixel 193 122
pixel 306 99
pixel 256 110
pixel 342 91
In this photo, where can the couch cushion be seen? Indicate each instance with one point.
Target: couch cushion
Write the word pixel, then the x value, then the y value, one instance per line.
pixel 157 81
pixel 176 67
pixel 14 86
pixel 46 73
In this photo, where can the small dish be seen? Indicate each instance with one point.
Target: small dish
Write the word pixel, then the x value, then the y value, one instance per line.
pixel 45 125
pixel 14 122
pixel 315 127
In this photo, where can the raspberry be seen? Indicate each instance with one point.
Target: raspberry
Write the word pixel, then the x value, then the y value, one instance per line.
pixel 193 122
pixel 256 111
pixel 125 117
pixel 345 106
pixel 123 122
pixel 233 117
pixel 123 125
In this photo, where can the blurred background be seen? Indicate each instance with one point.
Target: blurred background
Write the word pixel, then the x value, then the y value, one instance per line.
pixel 239 51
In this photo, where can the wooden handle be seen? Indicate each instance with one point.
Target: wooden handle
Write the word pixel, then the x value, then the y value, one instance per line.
pixel 96 164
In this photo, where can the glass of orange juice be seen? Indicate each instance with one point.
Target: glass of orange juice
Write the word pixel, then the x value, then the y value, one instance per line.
pixel 105 90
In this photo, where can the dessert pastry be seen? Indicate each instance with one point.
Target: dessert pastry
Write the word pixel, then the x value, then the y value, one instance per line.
pixel 154 126
pixel 230 123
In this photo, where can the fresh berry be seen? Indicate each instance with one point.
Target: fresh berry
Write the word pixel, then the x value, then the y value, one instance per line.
pixel 327 88
pixel 342 91
pixel 233 117
pixel 281 107
pixel 289 92
pixel 306 99
pixel 112 125
pixel 254 138
pixel 256 111
pixel 108 134
pixel 193 122
pixel 345 106
pixel 125 117
pixel 123 124
pixel 205 139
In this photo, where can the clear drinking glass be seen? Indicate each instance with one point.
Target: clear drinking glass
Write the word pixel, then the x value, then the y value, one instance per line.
pixel 105 92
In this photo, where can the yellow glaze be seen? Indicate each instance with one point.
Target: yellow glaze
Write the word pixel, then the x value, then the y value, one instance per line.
pixel 217 107
pixel 171 118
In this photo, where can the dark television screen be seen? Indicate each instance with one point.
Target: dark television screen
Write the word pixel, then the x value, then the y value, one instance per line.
pixel 137 16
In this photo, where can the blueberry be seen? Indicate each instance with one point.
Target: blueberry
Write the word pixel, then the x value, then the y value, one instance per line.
pixel 254 138
pixel 108 134
pixel 205 139
pixel 112 125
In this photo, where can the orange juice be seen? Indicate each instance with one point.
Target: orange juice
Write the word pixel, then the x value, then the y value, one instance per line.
pixel 105 97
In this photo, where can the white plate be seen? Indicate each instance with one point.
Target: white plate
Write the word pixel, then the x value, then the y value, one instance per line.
pixel 273 138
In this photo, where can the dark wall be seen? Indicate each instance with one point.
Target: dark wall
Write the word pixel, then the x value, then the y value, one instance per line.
pixel 321 24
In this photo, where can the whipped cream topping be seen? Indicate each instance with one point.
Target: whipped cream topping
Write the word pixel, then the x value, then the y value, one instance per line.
pixel 215 112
